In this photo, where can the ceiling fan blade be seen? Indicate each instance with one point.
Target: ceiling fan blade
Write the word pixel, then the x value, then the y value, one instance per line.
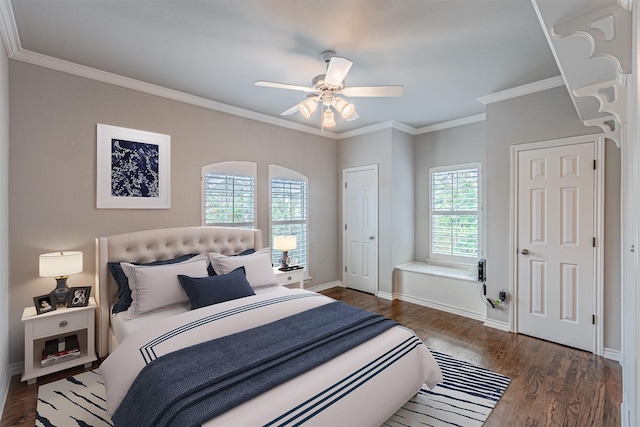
pixel 284 86
pixel 290 111
pixel 352 117
pixel 337 70
pixel 363 91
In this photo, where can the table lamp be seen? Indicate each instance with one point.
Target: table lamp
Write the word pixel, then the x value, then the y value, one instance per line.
pixel 284 244
pixel 60 265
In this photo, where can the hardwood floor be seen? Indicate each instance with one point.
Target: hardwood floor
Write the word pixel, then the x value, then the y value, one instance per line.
pixel 551 385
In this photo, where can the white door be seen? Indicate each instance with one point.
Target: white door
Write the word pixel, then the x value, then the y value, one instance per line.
pixel 556 280
pixel 361 229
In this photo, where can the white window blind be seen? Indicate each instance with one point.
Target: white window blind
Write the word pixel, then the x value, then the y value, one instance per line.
pixel 289 216
pixel 229 200
pixel 455 212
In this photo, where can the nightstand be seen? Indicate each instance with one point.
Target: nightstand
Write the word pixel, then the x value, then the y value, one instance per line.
pixel 290 277
pixel 57 324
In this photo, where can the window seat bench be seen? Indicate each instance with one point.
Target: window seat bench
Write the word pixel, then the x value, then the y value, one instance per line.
pixel 443 288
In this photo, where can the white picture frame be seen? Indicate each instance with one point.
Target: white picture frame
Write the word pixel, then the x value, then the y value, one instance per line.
pixel 133 169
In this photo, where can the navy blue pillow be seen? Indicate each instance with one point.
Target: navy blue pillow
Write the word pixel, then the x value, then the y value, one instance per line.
pixel 124 293
pixel 212 272
pixel 204 291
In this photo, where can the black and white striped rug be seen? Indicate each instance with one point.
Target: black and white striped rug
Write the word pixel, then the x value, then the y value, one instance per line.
pixel 465 398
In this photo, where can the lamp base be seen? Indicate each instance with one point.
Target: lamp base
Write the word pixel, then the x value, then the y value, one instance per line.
pixel 61 292
pixel 284 259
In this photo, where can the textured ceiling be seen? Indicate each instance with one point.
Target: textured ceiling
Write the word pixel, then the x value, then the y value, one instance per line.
pixel 446 54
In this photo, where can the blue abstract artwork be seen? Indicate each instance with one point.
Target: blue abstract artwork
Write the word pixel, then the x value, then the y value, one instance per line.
pixel 134 169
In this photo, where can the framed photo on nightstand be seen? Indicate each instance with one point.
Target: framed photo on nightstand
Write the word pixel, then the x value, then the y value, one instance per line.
pixel 79 297
pixel 44 303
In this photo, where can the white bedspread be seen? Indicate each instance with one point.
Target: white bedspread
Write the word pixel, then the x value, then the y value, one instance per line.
pixel 362 387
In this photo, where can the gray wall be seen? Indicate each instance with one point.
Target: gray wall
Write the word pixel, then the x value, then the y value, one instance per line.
pixel 52 174
pixel 370 149
pixel 52 163
pixel 4 225
pixel 542 116
pixel 402 204
pixel 391 150
pixel 454 146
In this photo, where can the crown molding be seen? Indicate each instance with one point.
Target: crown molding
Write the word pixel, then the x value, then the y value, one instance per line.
pixel 452 123
pixel 8 28
pixel 522 90
pixel 391 124
pixel 115 79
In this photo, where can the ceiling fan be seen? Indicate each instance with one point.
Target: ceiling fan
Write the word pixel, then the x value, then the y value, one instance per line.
pixel 325 89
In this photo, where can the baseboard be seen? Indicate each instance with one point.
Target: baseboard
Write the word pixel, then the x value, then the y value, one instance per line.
pixel 495 324
pixel 441 307
pixel 612 354
pixel 4 389
pixel 386 295
pixel 11 370
pixel 16 368
pixel 325 286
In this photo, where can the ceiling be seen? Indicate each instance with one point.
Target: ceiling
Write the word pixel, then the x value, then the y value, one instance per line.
pixel 446 54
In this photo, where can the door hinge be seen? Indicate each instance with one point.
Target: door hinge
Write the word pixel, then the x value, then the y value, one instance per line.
pixel 345 185
pixel 345 268
pixel 594 164
pixel 593 319
pixel 594 242
pixel 345 226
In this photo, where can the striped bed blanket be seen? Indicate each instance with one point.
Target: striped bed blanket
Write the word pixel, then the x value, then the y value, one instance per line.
pixel 360 383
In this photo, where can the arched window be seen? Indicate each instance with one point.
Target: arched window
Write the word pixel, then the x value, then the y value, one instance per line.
pixel 288 198
pixel 229 194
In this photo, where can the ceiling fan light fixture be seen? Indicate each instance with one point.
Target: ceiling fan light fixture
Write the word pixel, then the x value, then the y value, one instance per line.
pixel 346 109
pixel 328 120
pixel 325 88
pixel 308 107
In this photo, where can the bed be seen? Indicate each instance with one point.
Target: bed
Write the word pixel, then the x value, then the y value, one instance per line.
pixel 359 379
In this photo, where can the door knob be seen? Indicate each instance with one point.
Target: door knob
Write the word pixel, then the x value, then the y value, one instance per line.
pixel 525 252
pixel 372 237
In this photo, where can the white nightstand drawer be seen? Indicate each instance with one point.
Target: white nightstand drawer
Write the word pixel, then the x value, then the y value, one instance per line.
pixel 59 324
pixel 293 277
pixel 290 278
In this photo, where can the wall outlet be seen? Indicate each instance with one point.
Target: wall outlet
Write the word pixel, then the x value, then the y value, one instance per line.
pixel 502 295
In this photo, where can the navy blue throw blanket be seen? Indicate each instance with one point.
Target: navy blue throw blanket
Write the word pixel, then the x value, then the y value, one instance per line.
pixel 194 384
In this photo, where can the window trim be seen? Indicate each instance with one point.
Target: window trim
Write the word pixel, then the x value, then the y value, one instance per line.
pixel 244 168
pixel 281 172
pixel 452 260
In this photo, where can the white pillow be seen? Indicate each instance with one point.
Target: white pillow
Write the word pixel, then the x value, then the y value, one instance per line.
pixel 257 266
pixel 156 287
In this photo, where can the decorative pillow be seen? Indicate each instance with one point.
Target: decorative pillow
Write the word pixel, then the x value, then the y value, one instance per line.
pixel 124 293
pixel 204 291
pixel 155 288
pixel 257 266
pixel 249 251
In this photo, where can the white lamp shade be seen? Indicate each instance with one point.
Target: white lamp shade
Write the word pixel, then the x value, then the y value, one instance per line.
pixel 308 107
pixel 345 108
pixel 59 264
pixel 328 120
pixel 284 243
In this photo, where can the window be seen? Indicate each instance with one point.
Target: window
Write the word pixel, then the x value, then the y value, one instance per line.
pixel 455 213
pixel 229 194
pixel 289 211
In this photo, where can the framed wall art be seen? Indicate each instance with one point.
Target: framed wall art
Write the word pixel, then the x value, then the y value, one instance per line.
pixel 133 169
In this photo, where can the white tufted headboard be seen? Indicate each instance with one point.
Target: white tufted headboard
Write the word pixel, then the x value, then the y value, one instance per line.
pixel 153 245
